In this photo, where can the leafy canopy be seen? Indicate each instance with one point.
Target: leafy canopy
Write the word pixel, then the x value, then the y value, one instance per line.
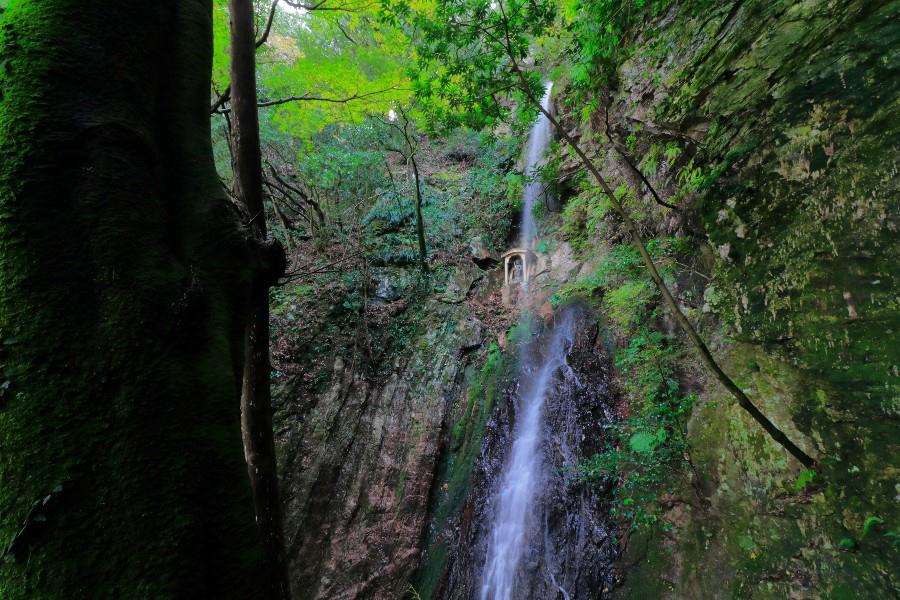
pixel 337 63
pixel 466 53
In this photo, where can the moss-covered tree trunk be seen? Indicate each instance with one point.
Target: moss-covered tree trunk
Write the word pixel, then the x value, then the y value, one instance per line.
pixel 124 278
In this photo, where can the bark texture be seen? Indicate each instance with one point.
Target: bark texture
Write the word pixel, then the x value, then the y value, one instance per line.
pixel 256 406
pixel 124 275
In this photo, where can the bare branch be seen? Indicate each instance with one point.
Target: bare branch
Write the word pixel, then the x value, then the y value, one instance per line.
pixel 322 5
pixel 271 18
pixel 628 162
pixel 309 98
pixel 337 23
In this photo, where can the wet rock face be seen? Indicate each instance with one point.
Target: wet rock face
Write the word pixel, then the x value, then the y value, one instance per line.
pixel 357 463
pixel 793 106
pixel 571 544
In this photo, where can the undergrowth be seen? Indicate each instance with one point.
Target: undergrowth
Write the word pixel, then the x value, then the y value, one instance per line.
pixel 648 448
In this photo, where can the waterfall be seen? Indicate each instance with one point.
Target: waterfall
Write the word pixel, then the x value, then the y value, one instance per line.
pixel 524 470
pixel 538 141
pixel 522 475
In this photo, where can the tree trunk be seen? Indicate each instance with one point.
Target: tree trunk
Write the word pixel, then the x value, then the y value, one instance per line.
pixel 420 225
pixel 124 285
pixel 256 402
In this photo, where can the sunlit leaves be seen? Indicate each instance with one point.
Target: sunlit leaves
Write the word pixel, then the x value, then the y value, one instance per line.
pixel 466 49
pixel 340 55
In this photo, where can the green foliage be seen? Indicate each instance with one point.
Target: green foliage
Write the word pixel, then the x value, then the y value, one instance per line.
pixel 650 162
pixel 806 477
pixel 582 217
pixel 322 55
pixel 623 267
pixel 648 451
pixel 847 544
pixel 690 176
pixel 647 454
pixel 463 57
pixel 631 142
pixel 625 303
pixel 489 211
pixel 644 442
pixel 672 152
pixel 492 363
pixel 597 28
pixel 870 523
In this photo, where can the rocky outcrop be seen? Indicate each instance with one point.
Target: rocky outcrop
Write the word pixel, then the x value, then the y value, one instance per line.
pixel 358 461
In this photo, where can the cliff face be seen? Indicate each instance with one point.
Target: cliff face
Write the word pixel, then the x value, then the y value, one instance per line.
pixel 374 366
pixel 358 460
pixel 773 127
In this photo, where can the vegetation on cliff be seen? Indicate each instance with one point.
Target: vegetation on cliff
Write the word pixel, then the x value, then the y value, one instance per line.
pixel 723 197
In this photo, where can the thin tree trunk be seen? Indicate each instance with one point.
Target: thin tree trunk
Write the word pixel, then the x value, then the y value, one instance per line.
pixel 686 326
pixel 123 300
pixel 256 404
pixel 420 225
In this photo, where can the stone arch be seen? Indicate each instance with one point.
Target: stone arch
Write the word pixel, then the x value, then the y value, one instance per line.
pixel 516 266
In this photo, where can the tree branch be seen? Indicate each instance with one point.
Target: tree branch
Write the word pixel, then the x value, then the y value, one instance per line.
pixel 226 95
pixel 321 6
pixel 631 165
pixel 268 29
pixel 308 98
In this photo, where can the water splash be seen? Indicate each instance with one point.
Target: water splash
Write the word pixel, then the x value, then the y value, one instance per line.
pixel 522 476
pixel 538 141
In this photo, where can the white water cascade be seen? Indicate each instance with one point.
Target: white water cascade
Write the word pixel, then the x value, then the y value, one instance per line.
pixel 523 471
pixel 538 142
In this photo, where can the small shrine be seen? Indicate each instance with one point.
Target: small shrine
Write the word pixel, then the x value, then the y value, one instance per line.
pixel 517 263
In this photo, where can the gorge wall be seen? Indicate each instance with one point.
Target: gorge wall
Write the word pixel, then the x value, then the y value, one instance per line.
pixel 772 126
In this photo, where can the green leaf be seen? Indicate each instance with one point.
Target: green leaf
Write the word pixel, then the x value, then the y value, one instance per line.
pixel 871 521
pixel 642 442
pixel 661 435
pixel 847 544
pixel 806 477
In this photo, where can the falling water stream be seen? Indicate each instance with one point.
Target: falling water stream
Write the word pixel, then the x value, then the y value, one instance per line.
pixel 523 473
pixel 524 468
pixel 538 142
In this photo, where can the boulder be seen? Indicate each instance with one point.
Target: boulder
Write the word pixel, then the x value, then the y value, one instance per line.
pixel 481 254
